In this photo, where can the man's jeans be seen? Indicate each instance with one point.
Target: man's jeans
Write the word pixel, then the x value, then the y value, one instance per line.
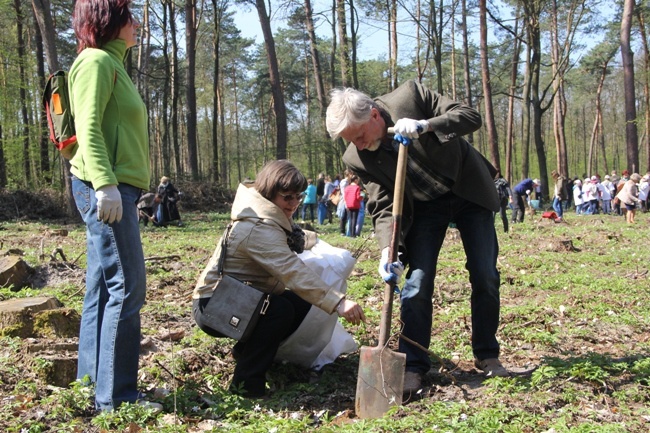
pixel 518 208
pixel 423 243
pixel 109 338
pixel 557 206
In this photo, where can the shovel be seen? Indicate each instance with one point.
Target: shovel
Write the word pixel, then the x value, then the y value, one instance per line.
pixel 380 382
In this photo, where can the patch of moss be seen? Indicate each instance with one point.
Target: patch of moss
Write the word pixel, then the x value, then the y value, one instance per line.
pixel 57 323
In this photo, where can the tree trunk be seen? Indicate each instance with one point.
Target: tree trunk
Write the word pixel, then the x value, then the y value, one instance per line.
pixel 627 57
pixel 646 83
pixel 558 109
pixel 23 94
pixel 165 148
pixel 44 144
pixel 493 141
pixel 344 58
pixel 466 68
pixel 176 81
pixel 318 81
pixel 510 136
pixel 392 19
pixel 218 10
pixel 276 84
pixel 190 90
pixel 354 27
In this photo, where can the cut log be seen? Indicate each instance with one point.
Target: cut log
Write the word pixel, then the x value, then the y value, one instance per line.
pixel 14 272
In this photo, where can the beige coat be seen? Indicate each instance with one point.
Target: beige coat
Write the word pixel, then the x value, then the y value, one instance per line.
pixel 258 253
pixel 628 194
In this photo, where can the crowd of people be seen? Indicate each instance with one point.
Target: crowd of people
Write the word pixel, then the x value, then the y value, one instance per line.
pixel 590 195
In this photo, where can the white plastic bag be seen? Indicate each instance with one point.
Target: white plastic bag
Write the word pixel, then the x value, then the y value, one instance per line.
pixel 320 339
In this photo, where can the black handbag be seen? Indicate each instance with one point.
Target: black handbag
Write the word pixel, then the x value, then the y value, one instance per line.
pixel 235 306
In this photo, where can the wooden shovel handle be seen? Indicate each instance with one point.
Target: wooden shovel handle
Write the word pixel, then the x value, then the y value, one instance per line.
pixel 398 204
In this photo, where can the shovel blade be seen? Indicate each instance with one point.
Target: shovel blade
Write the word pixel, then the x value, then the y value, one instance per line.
pixel 380 382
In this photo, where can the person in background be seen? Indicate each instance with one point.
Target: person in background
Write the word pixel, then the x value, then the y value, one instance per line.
pixel 341 209
pixel 519 198
pixel 559 193
pixel 320 186
pixel 168 209
pixel 607 190
pixel 447 181
pixel 107 180
pixel 628 196
pixel 321 205
pixel 353 201
pixel 504 191
pixel 148 208
pixel 309 201
pixel 578 196
pixel 362 210
pixel 618 206
pixel 644 186
pixel 262 247
pixel 325 201
pixel 605 196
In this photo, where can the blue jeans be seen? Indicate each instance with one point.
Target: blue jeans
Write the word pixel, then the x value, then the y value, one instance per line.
pixel 423 243
pixel 322 212
pixel 109 338
pixel 311 211
pixel 557 207
pixel 607 207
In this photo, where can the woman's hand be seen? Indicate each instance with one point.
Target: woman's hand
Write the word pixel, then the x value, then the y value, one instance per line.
pixel 351 311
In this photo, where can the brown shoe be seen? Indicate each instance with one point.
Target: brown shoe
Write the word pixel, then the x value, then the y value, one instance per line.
pixel 412 382
pixel 491 367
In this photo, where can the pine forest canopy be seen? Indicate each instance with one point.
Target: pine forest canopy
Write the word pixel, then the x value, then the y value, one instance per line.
pixel 549 78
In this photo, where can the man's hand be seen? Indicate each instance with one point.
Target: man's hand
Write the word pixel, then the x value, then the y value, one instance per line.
pixel 410 128
pixel 390 272
pixel 109 204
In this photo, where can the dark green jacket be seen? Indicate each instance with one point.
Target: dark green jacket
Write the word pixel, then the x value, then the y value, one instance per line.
pixel 448 155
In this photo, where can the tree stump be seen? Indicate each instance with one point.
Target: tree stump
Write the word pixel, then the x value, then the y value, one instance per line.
pixel 17 315
pixel 14 272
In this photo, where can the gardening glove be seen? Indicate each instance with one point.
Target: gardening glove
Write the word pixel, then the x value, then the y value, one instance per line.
pixel 390 272
pixel 410 128
pixel 109 204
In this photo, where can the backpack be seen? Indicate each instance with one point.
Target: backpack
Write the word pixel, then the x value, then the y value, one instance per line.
pixel 60 123
pixel 502 188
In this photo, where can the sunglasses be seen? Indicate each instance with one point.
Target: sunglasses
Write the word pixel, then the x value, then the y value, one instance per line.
pixel 290 197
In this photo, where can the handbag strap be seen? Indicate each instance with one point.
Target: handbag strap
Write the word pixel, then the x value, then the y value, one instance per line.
pixel 224 246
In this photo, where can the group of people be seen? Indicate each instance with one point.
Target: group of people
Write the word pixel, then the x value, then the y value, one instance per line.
pixel 448 181
pixel 343 196
pixel 611 195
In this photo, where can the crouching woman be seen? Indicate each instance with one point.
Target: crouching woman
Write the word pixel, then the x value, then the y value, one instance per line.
pixel 261 249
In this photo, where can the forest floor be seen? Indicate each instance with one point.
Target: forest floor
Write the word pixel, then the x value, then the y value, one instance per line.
pixel 575 333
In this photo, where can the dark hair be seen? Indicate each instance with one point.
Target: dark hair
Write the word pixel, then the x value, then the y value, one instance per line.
pixel 97 22
pixel 277 176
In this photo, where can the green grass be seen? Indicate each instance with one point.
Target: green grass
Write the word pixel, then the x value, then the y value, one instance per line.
pixel 574 326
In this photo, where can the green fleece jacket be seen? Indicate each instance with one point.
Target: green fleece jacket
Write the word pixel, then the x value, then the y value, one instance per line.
pixel 110 120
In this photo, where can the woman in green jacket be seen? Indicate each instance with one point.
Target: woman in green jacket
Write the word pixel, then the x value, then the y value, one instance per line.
pixel 110 168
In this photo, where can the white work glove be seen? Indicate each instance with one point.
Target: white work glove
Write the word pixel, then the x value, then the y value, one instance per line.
pixel 109 204
pixel 390 272
pixel 410 128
